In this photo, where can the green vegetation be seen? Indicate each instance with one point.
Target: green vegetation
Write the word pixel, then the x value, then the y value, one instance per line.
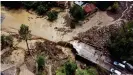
pixel 90 71
pixel 121 43
pixel 12 4
pixel 25 34
pixel 114 7
pixel 77 12
pixel 61 71
pixel 41 7
pixel 40 62
pixel 82 72
pixel 6 41
pixel 70 68
pixel 29 4
pixel 40 73
pixel 103 5
pixel 67 69
pixel 52 15
pixel 41 10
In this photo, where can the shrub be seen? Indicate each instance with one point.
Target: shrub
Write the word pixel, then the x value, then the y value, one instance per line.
pixel 77 12
pixel 90 71
pixel 28 4
pixel 82 72
pixel 61 71
pixel 115 7
pixel 6 41
pixel 70 67
pixel 41 10
pixel 52 15
pixel 67 69
pixel 40 62
pixel 40 73
pixel 121 43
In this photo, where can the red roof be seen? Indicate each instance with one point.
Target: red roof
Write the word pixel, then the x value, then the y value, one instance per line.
pixel 89 8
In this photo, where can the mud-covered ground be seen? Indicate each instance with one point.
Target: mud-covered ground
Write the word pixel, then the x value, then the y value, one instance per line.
pixel 94 31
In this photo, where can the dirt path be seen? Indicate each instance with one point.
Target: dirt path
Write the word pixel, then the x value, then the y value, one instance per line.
pixel 43 28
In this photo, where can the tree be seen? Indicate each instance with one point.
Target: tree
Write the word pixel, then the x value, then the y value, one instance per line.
pixel 6 41
pixel 12 4
pixel 67 69
pixel 40 62
pixel 70 67
pixel 121 43
pixel 41 10
pixel 82 72
pixel 40 7
pixel 90 71
pixel 29 4
pixel 25 34
pixel 52 15
pixel 41 73
pixel 61 71
pixel 114 7
pixel 77 12
pixel 103 5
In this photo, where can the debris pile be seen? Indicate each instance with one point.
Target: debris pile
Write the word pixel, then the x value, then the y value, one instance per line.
pixel 64 30
pixel 50 49
pixel 54 55
pixel 98 37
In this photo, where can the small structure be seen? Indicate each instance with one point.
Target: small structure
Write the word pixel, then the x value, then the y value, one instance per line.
pixel 89 8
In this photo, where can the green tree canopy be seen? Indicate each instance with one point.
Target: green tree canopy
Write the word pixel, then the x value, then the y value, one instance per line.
pixel 6 41
pixel 67 69
pixel 61 71
pixel 70 67
pixel 41 7
pixel 77 12
pixel 103 5
pixel 90 71
pixel 115 7
pixel 82 72
pixel 52 15
pixel 121 43
pixel 93 71
pixel 41 10
pixel 40 62
pixel 12 4
pixel 24 32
